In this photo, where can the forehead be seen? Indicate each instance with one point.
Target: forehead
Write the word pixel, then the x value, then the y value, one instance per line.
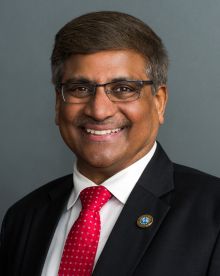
pixel 105 66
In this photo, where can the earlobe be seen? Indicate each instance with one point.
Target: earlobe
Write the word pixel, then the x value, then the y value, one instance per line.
pixel 161 98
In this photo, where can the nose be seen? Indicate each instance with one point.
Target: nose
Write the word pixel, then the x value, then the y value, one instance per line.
pixel 100 107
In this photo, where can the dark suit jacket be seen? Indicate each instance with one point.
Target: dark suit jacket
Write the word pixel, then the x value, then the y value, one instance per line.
pixel 182 241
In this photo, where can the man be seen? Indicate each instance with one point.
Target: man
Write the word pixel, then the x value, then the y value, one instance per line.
pixel 157 218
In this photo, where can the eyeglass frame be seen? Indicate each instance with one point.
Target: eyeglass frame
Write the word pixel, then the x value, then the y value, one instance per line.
pixel 107 92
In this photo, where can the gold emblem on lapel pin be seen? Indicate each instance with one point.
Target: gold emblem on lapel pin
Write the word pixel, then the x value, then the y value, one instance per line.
pixel 145 221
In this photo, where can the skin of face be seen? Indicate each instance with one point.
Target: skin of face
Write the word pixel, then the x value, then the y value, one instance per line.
pixel 101 156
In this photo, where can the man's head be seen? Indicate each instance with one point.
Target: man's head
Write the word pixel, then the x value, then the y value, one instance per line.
pixel 109 126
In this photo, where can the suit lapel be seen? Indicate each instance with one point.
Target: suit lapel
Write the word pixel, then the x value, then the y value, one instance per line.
pixel 127 240
pixel 44 222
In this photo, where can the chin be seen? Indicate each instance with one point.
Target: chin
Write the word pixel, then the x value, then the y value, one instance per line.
pixel 97 160
pixel 100 163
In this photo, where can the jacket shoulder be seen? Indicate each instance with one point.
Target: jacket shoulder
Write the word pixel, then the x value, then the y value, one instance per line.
pixel 184 171
pixel 196 181
pixel 38 196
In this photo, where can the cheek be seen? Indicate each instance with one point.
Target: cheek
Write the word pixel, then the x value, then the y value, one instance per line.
pixel 140 113
pixel 67 114
pixel 66 122
pixel 144 119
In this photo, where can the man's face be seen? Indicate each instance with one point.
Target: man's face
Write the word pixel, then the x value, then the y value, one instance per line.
pixel 133 125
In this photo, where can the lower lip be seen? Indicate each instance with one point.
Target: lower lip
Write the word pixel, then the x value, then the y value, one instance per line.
pixel 102 138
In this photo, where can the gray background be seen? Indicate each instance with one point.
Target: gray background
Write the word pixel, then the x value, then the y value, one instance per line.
pixel 32 151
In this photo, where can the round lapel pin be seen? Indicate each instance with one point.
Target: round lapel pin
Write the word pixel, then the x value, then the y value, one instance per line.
pixel 145 221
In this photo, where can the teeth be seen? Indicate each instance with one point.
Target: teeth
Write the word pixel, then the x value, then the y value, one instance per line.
pixel 102 132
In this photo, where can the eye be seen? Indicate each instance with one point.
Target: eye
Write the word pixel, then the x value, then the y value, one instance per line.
pixel 77 87
pixel 77 90
pixel 123 90
pixel 123 87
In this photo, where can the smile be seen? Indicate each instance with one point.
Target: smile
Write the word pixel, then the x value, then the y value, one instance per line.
pixel 102 132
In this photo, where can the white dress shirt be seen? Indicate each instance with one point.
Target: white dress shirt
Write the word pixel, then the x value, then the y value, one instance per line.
pixel 120 185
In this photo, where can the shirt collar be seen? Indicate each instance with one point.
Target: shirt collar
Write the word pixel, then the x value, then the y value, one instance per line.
pixel 120 185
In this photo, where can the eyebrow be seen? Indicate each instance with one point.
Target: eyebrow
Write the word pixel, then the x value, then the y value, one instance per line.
pixel 81 79
pixel 78 80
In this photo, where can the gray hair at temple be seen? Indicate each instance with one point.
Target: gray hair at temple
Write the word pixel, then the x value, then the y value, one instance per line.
pixel 108 30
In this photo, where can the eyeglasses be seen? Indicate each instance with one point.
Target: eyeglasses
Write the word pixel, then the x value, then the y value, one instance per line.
pixel 117 91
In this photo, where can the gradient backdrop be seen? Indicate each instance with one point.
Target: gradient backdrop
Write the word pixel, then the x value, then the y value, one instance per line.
pixel 32 152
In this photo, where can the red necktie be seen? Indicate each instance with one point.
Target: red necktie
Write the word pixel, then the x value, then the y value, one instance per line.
pixel 82 241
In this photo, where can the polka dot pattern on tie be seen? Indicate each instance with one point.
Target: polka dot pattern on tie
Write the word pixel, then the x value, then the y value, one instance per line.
pixel 82 241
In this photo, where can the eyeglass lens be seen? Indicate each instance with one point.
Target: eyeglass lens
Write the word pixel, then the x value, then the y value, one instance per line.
pixel 116 91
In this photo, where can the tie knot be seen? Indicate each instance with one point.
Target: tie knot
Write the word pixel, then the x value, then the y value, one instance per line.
pixel 94 198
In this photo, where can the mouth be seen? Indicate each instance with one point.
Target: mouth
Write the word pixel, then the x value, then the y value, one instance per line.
pixel 103 131
pixel 98 134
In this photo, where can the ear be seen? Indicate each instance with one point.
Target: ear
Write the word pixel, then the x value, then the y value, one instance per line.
pixel 57 108
pixel 160 99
